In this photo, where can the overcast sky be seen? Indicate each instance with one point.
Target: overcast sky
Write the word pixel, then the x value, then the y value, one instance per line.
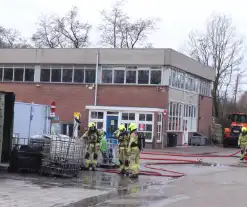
pixel 178 17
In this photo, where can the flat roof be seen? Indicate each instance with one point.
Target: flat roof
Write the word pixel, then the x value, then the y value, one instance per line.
pixel 107 56
pixel 124 108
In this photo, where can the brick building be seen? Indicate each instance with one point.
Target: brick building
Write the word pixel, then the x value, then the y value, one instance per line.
pixel 132 85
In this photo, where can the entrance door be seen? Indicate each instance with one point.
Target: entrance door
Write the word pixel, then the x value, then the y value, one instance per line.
pixel 111 126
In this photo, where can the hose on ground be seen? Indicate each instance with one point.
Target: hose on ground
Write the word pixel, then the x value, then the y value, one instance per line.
pixel 170 161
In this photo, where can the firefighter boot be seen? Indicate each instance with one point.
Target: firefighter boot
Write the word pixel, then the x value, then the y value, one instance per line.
pixel 242 155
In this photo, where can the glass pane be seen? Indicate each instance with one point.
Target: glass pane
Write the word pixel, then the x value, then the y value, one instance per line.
pixel 19 74
pixel 143 76
pixel 131 116
pixel 90 76
pixel 45 75
pixel 93 115
pixel 99 125
pixel 67 75
pixel 118 76
pixel 148 135
pixel 155 77
pixel 142 117
pixel 159 117
pixel 78 75
pixel 130 76
pixel 170 123
pixel 149 117
pixel 56 75
pixel 8 74
pixel 107 76
pixel 124 116
pixel 100 115
pixel 149 127
pixel 29 74
pixel 1 74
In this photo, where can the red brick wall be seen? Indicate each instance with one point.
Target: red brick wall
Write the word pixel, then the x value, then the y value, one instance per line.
pixel 204 115
pixel 133 96
pixel 71 97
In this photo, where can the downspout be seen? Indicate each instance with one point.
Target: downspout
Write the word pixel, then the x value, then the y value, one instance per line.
pixel 96 78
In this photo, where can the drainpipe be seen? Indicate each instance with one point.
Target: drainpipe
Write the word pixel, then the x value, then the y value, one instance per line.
pixel 96 79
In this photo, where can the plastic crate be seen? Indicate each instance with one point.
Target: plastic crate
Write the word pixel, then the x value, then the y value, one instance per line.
pixel 198 140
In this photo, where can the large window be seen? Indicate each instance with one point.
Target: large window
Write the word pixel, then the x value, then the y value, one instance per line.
pixel 90 75
pixel 56 75
pixel 205 88
pixel 18 74
pixel 190 117
pixel 159 127
pixel 128 117
pixel 145 125
pixel 131 75
pixel 176 79
pixel 29 74
pixel 67 76
pixel 119 76
pixel 98 118
pixel 175 116
pixel 1 73
pixel 143 76
pixel 107 76
pixel 8 74
pixel 79 76
pixel 155 77
pixel 45 75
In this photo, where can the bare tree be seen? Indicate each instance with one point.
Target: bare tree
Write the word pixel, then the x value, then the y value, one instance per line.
pixel 47 34
pixel 118 31
pixel 11 38
pixel 219 47
pixel 62 32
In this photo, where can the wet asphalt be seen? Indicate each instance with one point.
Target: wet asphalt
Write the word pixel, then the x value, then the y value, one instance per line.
pixel 99 189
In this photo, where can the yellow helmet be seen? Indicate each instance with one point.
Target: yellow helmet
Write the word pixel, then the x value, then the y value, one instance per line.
pixel 132 127
pixel 121 127
pixel 92 124
pixel 244 129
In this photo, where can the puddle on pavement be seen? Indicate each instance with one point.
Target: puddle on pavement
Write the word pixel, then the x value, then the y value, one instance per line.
pixel 122 190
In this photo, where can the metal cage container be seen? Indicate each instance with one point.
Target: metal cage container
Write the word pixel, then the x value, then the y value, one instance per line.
pixel 63 156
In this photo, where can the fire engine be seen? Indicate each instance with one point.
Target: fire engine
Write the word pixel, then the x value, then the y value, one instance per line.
pixel 231 135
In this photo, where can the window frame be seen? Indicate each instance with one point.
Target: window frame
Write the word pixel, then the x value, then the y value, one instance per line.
pixel 145 123
pixel 150 75
pixel 26 67
pixel 130 68
pixel 125 78
pixel 159 124
pixel 23 73
pixel 67 68
pixel 112 75
pixel 137 76
pixel 175 115
pixel 96 120
pixel 8 67
pixel 60 71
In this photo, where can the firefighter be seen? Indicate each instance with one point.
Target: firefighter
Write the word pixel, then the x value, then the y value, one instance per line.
pixel 242 142
pixel 134 151
pixel 123 138
pixel 92 135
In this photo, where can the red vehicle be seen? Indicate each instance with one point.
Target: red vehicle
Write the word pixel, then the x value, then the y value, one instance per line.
pixel 231 134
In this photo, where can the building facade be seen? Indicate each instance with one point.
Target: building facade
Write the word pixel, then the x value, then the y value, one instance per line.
pixel 113 86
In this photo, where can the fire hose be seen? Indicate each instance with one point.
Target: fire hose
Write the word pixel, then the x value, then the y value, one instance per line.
pixel 170 161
